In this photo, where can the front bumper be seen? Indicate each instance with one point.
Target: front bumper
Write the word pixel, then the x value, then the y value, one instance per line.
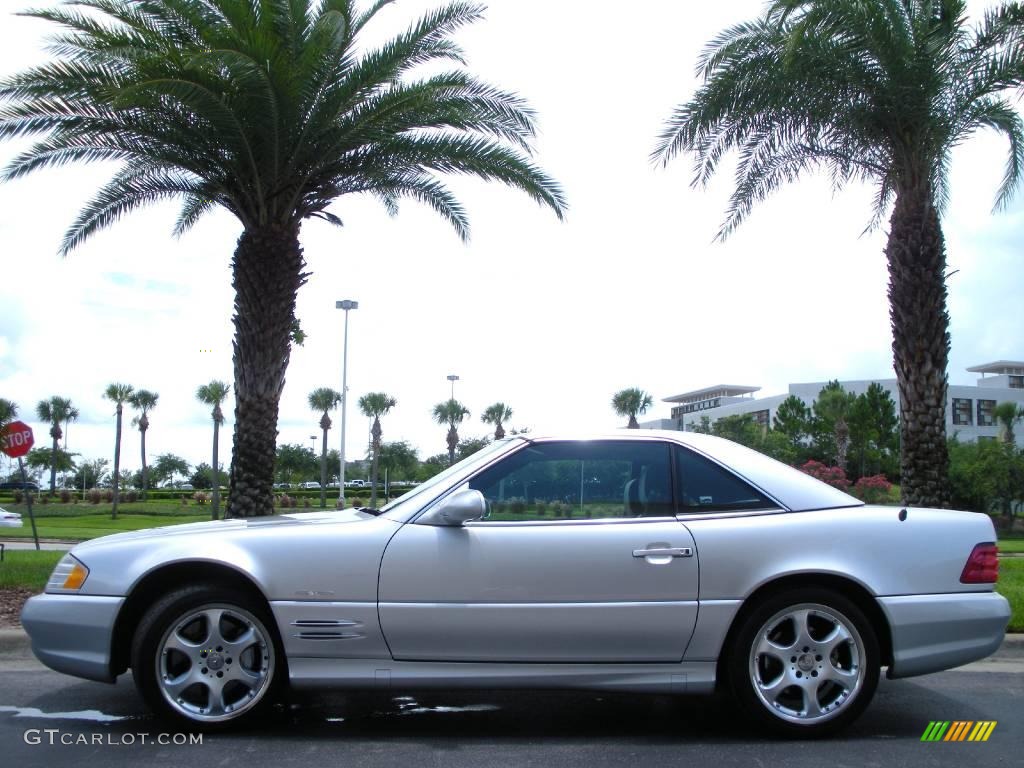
pixel 935 632
pixel 73 633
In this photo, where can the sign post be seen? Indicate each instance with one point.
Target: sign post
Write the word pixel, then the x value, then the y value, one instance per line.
pixel 17 441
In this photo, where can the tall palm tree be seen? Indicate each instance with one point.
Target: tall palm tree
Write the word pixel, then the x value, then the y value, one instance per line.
pixel 214 394
pixel 143 401
pixel 872 90
pixel 119 394
pixel 323 400
pixel 1007 415
pixel 631 402
pixel 374 405
pixel 496 414
pixel 451 412
pixel 55 411
pixel 271 110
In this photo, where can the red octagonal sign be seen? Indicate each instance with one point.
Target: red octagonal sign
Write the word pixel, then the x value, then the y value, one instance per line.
pixel 17 439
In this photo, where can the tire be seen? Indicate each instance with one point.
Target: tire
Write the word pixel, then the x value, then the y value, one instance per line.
pixel 208 656
pixel 804 664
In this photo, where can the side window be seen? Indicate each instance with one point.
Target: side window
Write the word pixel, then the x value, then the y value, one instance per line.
pixel 579 480
pixel 705 487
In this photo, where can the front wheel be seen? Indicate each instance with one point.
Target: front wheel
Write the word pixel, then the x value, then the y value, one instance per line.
pixel 206 655
pixel 805 663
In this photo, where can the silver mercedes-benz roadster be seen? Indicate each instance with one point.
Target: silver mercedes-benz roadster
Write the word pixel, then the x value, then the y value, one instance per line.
pixel 659 562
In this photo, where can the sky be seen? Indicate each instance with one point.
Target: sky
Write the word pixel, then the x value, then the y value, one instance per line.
pixel 549 317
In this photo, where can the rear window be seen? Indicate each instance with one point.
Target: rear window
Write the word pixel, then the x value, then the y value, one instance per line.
pixel 706 487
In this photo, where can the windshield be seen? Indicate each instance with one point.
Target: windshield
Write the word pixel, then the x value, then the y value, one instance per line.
pixel 422 492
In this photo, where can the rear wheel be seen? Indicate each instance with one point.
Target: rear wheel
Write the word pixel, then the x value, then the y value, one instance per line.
pixel 805 663
pixel 207 655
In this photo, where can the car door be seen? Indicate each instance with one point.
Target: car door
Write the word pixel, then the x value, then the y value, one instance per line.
pixel 580 559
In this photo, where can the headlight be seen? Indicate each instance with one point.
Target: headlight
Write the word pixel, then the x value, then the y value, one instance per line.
pixel 68 576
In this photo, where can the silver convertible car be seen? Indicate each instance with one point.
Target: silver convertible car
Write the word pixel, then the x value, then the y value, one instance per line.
pixel 660 562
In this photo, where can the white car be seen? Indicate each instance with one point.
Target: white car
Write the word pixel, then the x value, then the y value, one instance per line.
pixel 311 485
pixel 9 519
pixel 641 561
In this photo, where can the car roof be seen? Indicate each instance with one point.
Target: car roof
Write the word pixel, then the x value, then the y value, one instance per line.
pixel 793 489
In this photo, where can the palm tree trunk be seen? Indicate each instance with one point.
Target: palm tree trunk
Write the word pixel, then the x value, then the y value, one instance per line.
pixel 453 442
pixel 373 488
pixel 145 470
pixel 499 432
pixel 267 269
pixel 215 488
pixel 53 461
pixel 323 473
pixel 117 463
pixel 633 423
pixel 916 257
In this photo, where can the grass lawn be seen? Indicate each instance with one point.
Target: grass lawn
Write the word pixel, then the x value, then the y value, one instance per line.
pixel 1011 586
pixel 27 568
pixel 82 527
pixel 1011 545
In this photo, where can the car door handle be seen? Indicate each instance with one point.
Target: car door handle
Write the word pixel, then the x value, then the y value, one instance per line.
pixel 664 552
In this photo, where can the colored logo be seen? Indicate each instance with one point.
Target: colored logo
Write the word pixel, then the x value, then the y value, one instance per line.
pixel 959 730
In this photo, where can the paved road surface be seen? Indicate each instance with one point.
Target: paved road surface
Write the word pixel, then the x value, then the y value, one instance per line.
pixel 479 729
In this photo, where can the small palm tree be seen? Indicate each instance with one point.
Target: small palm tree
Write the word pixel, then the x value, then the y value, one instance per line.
pixel 271 110
pixel 878 91
pixel 496 414
pixel 214 394
pixel 374 405
pixel 143 401
pixel 8 413
pixel 630 403
pixel 1007 415
pixel 119 394
pixel 55 411
pixel 323 400
pixel 451 412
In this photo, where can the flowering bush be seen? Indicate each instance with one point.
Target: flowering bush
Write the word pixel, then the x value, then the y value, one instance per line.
pixel 874 489
pixel 200 498
pixel 834 476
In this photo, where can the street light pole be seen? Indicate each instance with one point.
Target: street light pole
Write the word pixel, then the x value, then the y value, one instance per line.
pixel 453 378
pixel 346 305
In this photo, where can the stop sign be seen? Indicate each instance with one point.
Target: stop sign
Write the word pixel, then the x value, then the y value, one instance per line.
pixel 17 439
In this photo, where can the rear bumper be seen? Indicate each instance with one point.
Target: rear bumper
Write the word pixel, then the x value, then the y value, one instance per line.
pixel 72 633
pixel 935 632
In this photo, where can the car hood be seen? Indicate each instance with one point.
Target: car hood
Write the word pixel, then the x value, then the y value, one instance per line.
pixel 234 524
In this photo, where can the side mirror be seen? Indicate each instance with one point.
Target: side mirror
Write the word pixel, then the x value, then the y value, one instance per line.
pixel 460 507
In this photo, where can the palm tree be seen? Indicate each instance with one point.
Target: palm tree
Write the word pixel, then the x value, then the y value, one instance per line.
pixel 630 403
pixel 8 413
pixel 55 411
pixel 214 394
pixel 374 405
pixel 272 111
pixel 451 412
pixel 496 414
pixel 324 399
pixel 119 394
pixel 1007 415
pixel 143 401
pixel 872 90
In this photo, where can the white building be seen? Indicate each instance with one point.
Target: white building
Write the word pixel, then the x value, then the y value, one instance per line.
pixel 968 410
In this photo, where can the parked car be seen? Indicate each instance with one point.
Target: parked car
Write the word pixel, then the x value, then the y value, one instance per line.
pixel 357 484
pixel 311 485
pixel 660 562
pixel 9 519
pixel 19 486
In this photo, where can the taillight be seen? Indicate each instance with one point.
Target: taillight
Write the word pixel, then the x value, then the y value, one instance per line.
pixel 982 566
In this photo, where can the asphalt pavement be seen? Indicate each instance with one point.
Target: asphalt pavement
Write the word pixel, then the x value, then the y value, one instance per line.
pixel 108 725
